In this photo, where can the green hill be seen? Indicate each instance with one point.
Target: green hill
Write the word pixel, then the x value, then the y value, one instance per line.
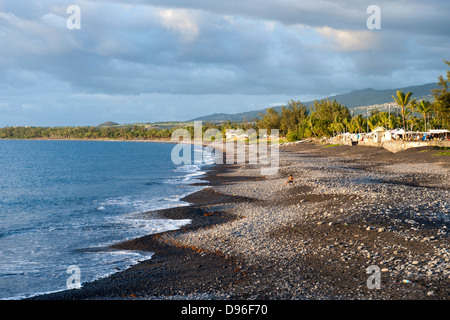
pixel 108 124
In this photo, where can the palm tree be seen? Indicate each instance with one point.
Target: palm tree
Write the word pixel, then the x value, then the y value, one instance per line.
pixel 393 122
pixel 337 125
pixel 374 121
pixel 441 95
pixel 402 100
pixel 346 123
pixel 384 119
pixel 413 121
pixel 413 104
pixel 424 107
pixel 358 123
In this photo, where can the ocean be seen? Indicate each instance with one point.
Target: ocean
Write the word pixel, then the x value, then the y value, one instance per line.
pixel 63 202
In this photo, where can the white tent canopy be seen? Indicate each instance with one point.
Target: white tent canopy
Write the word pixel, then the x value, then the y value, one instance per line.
pixel 439 131
pixel 398 131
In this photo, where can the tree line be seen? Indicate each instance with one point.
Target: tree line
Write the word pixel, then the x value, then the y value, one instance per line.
pixel 126 133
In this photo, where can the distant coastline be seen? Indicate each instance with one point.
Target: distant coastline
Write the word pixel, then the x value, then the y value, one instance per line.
pixel 94 139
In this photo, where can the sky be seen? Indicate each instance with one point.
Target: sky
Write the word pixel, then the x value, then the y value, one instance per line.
pixel 175 60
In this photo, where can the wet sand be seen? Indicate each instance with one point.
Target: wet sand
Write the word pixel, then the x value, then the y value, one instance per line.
pixel 253 237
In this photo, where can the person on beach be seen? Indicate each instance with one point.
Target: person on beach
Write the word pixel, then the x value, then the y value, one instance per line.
pixel 290 179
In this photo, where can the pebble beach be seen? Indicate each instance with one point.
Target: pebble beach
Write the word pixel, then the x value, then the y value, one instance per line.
pixel 254 237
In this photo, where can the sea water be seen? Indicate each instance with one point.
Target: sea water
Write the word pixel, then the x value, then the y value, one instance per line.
pixel 62 203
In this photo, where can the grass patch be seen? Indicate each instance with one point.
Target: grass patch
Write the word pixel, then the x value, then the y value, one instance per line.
pixel 444 153
pixel 332 145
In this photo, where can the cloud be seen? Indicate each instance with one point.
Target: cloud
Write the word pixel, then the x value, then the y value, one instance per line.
pixel 180 21
pixel 53 20
pixel 23 38
pixel 346 40
pixel 169 58
pixel 8 16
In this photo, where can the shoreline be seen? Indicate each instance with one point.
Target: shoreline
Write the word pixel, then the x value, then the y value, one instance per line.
pixel 126 284
pixel 253 237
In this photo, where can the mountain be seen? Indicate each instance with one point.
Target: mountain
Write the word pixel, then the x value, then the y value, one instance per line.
pixel 371 96
pixel 108 124
pixel 354 99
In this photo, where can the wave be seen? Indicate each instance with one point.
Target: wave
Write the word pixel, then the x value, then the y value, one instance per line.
pixel 193 175
pixel 152 183
pixel 114 260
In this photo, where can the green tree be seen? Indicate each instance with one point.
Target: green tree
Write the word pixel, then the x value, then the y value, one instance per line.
pixel 292 136
pixel 324 113
pixel 413 121
pixel 310 121
pixel 337 126
pixel 424 107
pixel 402 100
pixel 374 121
pixel 359 123
pixel 292 116
pixel 270 120
pixel 384 119
pixel 442 99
